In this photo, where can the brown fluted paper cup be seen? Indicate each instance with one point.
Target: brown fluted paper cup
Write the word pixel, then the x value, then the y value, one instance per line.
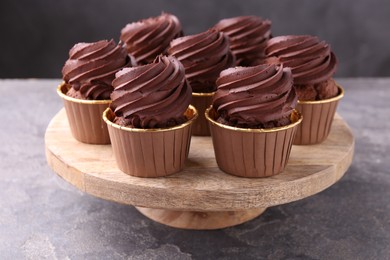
pixel 85 117
pixel 249 152
pixel 317 119
pixel 201 101
pixel 150 152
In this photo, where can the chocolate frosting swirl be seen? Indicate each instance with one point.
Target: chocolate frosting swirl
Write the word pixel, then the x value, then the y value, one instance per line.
pixel 155 95
pixel 310 59
pixel 247 35
pixel 150 37
pixel 91 67
pixel 255 97
pixel 204 56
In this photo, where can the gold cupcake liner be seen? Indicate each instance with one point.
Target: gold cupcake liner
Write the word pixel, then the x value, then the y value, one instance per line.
pixel 85 117
pixel 150 152
pixel 201 101
pixel 317 119
pixel 249 152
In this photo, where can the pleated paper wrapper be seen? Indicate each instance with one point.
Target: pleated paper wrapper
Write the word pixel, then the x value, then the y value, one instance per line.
pixel 85 117
pixel 317 119
pixel 252 153
pixel 150 152
pixel 201 101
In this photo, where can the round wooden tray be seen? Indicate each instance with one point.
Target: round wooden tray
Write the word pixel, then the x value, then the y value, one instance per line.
pixel 201 196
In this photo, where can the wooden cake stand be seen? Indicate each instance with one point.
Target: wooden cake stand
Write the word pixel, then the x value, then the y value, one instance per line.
pixel 201 196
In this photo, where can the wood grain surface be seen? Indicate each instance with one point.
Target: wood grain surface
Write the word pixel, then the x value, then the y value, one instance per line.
pixel 200 220
pixel 201 186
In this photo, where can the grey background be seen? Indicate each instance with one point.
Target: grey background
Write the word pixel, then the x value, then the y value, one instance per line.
pixel 36 35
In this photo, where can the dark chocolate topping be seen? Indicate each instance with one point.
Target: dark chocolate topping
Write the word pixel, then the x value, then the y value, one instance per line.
pixel 91 67
pixel 310 59
pixel 150 37
pixel 155 95
pixel 204 56
pixel 254 96
pixel 247 35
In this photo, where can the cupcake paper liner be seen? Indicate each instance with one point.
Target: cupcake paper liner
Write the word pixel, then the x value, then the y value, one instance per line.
pixel 85 117
pixel 317 119
pixel 252 153
pixel 150 152
pixel 201 101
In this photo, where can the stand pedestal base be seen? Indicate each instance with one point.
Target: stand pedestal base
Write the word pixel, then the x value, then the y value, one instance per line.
pixel 200 220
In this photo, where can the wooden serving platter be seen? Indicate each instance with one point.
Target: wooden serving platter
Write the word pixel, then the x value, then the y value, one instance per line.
pixel 201 196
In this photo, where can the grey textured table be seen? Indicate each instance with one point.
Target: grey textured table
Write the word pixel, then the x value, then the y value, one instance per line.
pixel 42 216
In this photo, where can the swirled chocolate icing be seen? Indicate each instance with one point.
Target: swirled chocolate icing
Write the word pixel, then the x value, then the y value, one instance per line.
pixel 204 56
pixel 150 37
pixel 255 97
pixel 155 95
pixel 247 35
pixel 311 61
pixel 91 67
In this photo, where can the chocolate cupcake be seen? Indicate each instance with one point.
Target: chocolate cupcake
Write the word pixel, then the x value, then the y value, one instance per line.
pixel 253 121
pixel 204 56
pixel 86 90
pixel 313 65
pixel 149 119
pixel 150 37
pixel 248 35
